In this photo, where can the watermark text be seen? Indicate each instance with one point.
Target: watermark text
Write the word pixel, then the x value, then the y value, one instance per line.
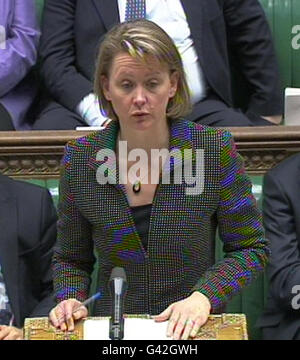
pixel 296 299
pixel 184 167
pixel 296 38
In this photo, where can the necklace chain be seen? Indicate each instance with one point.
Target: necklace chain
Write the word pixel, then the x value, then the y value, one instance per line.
pixel 137 185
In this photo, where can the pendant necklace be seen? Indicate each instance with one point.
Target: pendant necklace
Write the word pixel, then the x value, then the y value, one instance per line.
pixel 137 185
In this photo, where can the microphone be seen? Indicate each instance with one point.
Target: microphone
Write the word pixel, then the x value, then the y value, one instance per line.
pixel 118 288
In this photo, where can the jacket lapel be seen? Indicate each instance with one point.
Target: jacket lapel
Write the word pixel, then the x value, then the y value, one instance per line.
pixel 106 139
pixel 9 247
pixel 180 145
pixel 180 140
pixel 108 11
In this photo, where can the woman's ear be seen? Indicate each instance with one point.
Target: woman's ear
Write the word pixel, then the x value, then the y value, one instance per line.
pixel 105 87
pixel 174 84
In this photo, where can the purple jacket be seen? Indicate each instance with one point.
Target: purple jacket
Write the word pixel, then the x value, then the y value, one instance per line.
pixel 18 53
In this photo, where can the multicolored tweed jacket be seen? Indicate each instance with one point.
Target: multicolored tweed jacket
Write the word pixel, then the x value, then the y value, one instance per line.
pixel 96 219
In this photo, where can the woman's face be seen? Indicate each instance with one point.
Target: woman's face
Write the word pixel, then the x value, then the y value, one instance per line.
pixel 139 91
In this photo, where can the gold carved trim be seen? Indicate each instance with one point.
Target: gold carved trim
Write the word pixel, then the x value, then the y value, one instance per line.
pixel 37 154
pixel 217 327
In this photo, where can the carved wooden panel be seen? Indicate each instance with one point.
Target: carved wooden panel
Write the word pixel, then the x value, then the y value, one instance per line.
pixel 37 154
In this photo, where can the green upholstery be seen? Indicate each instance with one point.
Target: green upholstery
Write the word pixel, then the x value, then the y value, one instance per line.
pixel 282 16
pixel 39 8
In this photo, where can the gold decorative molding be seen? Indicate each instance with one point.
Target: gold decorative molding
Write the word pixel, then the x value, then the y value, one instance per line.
pixel 37 154
pixel 217 327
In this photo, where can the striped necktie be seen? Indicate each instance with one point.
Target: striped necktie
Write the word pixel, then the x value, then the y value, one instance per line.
pixel 135 9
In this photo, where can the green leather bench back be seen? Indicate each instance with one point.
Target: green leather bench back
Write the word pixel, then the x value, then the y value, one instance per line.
pixel 283 15
pixel 39 4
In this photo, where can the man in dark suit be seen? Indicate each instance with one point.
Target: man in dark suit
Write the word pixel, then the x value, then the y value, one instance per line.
pixel 206 32
pixel 281 318
pixel 28 233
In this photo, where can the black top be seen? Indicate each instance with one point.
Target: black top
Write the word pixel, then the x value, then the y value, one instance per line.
pixel 141 217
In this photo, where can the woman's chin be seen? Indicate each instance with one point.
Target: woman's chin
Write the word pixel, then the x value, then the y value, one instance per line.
pixel 142 123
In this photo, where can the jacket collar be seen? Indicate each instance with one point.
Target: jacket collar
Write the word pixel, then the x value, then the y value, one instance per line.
pixel 181 147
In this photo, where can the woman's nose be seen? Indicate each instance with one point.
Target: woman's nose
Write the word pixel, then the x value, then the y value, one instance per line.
pixel 140 97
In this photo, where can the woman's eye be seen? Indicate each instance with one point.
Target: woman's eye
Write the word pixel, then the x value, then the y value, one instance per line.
pixel 126 85
pixel 152 84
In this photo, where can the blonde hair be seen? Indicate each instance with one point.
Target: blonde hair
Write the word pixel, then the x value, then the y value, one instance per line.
pixel 141 38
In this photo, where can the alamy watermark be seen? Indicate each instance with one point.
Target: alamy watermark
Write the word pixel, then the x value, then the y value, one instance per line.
pixel 296 38
pixel 296 298
pixel 2 38
pixel 187 167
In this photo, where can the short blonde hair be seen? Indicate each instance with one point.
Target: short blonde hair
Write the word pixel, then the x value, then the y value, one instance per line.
pixel 139 38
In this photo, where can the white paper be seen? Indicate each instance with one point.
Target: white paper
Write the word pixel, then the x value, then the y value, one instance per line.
pixel 134 329
pixel 292 106
pixel 89 128
pixel 292 91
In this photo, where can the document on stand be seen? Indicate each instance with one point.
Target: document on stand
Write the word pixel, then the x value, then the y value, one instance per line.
pixel 134 329
pixel 292 106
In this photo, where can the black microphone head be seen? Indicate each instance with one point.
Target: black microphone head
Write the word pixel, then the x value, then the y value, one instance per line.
pixel 118 272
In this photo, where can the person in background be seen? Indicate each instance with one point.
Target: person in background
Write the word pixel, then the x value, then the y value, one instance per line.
pixel 19 38
pixel 162 232
pixel 281 211
pixel 207 34
pixel 28 234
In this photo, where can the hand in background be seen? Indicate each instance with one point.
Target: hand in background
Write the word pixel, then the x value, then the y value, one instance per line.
pixel 275 119
pixel 89 110
pixel 66 312
pixel 186 316
pixel 10 333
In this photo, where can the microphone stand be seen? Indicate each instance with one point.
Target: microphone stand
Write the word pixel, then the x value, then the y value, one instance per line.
pixel 118 288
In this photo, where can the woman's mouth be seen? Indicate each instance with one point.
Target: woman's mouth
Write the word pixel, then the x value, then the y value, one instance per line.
pixel 140 113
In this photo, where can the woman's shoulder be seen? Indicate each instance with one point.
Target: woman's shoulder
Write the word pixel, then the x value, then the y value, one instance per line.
pixel 82 148
pixel 207 133
pixel 85 144
pixel 93 142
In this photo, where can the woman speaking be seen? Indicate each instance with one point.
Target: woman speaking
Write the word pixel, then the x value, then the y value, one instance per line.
pixel 146 217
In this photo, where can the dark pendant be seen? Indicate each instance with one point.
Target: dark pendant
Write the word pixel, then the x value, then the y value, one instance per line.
pixel 136 187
